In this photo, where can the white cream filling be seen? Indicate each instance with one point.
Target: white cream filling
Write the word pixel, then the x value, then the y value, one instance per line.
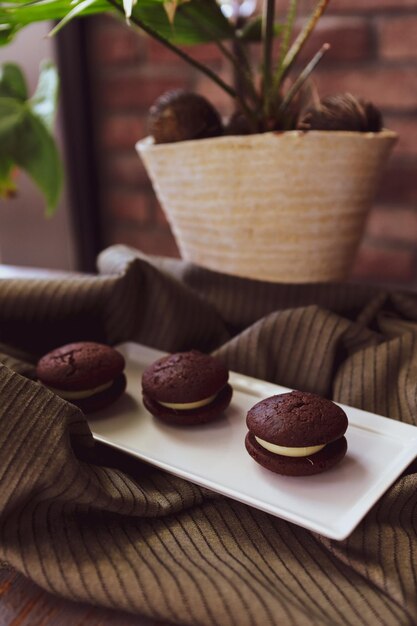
pixel 186 406
pixel 284 451
pixel 79 395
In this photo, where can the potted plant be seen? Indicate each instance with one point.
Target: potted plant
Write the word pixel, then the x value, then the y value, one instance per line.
pixel 281 190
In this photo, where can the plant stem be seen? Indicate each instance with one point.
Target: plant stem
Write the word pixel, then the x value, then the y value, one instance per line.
pixel 302 37
pixel 244 82
pixel 237 58
pixel 268 40
pixel 178 51
pixel 296 86
pixel 288 28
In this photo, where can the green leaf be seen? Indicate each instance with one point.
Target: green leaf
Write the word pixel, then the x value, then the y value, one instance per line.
pixel 78 9
pixel 44 101
pixel 16 14
pixel 12 82
pixel 7 32
pixel 36 152
pixel 11 114
pixel 26 142
pixel 197 21
pixel 171 7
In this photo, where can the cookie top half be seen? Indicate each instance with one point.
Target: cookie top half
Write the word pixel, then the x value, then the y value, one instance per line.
pixel 80 366
pixel 184 377
pixel 297 419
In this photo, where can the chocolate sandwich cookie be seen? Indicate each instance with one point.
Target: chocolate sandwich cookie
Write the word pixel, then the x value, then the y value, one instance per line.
pixel 186 388
pixel 296 433
pixel 87 374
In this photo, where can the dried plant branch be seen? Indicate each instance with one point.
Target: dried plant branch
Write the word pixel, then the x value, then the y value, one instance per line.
pixel 296 86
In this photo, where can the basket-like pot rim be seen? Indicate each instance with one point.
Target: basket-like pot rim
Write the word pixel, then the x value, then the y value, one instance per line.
pixel 314 136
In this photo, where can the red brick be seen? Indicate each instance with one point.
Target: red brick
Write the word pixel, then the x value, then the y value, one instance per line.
pixel 114 43
pixel 158 242
pixel 126 169
pixel 399 182
pixel 397 37
pixel 369 6
pixel 122 131
pixel 406 127
pixel 350 40
pixel 130 205
pixel 395 224
pixel 388 87
pixel 129 86
pixel 134 91
pixel 205 53
pixel 214 94
pixel 381 264
pixel 158 214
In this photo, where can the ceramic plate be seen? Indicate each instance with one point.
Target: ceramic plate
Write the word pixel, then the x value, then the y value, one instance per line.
pixel 214 455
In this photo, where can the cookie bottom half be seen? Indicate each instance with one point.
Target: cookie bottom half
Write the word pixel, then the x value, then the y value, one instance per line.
pixel 192 417
pixel 104 398
pixel 316 463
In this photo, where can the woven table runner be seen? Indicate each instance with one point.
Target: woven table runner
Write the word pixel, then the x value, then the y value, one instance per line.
pixel 94 525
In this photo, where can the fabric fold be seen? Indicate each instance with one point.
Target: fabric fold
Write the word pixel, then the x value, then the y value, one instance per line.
pixel 92 524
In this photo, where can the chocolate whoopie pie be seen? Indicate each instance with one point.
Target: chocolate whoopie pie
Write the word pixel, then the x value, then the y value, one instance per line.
pixel 296 433
pixel 186 388
pixel 87 374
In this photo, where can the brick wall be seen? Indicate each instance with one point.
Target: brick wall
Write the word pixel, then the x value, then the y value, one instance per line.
pixel 373 55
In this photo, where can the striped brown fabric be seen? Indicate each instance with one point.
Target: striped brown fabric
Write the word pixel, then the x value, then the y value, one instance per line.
pixel 94 525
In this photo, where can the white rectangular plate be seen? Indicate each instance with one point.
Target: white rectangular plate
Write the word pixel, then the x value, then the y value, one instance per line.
pixel 214 455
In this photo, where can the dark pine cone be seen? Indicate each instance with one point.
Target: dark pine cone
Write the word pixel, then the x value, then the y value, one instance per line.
pixel 237 125
pixel 180 115
pixel 343 112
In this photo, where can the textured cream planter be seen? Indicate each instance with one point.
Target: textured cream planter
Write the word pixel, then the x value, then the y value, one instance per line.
pixel 284 207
